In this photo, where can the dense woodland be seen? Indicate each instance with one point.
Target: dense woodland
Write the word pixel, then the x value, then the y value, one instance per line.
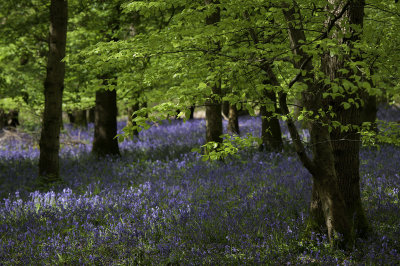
pixel 199 132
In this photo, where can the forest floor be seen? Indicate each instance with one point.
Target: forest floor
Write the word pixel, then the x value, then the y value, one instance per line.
pixel 160 203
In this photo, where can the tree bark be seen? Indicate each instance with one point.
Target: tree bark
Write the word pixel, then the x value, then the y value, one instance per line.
pixel 346 143
pixel 214 116
pixel 233 122
pixel 271 133
pixel 106 111
pixel 213 103
pixel 105 124
pixel 2 119
pixel 53 89
pixel 191 112
pixel 78 118
pixel 329 193
pixel 90 115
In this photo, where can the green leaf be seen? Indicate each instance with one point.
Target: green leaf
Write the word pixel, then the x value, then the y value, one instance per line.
pixel 346 105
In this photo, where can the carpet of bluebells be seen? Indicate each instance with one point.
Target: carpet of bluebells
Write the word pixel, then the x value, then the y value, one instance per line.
pixel 159 203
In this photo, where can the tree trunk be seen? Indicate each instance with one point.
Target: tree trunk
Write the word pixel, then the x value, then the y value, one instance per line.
pixel 214 116
pixel 9 119
pixel 329 193
pixel 191 112
pixel 271 133
pixel 105 123
pixel 346 143
pixel 3 119
pixel 233 122
pixel 81 118
pixel 53 89
pixel 90 115
pixel 78 118
pixel 213 103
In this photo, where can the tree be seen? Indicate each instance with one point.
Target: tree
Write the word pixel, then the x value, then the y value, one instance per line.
pixel 346 143
pixel 271 134
pixel 78 118
pixel 336 203
pixel 53 91
pixel 233 122
pixel 105 123
pixel 105 118
pixel 213 103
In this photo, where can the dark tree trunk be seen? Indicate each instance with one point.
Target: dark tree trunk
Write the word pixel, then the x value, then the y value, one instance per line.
pixel 91 115
pixel 105 123
pixel 135 107
pixel 191 112
pixel 9 119
pixel 214 117
pixel 213 104
pixel 330 195
pixel 346 149
pixel 233 122
pixel 346 144
pixel 3 119
pixel 71 117
pixel 106 111
pixel 81 118
pixel 78 118
pixel 271 133
pixel 53 89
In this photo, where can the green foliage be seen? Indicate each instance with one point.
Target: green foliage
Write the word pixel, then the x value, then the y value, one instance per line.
pixel 230 146
pixel 389 133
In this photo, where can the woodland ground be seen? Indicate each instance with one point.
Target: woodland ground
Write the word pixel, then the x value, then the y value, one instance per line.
pixel 159 203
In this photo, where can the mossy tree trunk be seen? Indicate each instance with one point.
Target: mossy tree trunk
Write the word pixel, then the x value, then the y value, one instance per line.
pixel 49 170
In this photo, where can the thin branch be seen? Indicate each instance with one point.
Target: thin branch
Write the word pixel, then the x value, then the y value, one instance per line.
pixel 298 144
